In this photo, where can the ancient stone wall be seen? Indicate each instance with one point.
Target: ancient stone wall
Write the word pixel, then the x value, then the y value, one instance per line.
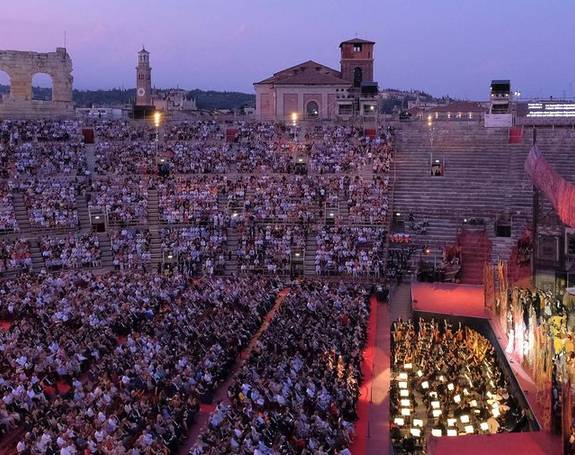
pixel 21 67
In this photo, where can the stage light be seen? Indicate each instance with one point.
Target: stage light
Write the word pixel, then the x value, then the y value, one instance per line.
pixel 436 412
pixel 402 384
pixel 417 423
pixel 469 429
pixel 436 432
pixel 405 411
pixel 435 404
pixel 457 398
pixel 451 422
pixel 170 256
pixel 300 160
pixel 405 402
pixel 294 117
pixel 297 255
pixel 464 418
pixel 398 214
pixel 450 386
pixel 451 432
pixel 97 217
pixel 415 432
pixel 403 376
pixel 465 220
pixel 157 119
pixel 404 393
pixel 484 426
pixel 331 215
pixel 399 421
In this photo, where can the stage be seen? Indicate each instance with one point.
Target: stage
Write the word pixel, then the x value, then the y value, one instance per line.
pixel 467 301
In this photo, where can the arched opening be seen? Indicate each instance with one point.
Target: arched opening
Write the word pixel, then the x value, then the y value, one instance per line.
pixel 4 85
pixel 312 110
pixel 42 85
pixel 357 77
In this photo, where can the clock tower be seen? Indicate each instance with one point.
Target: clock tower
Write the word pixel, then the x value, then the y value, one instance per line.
pixel 144 79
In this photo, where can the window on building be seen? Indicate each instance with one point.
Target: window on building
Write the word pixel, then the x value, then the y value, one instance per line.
pixel 357 48
pixel 570 242
pixel 357 77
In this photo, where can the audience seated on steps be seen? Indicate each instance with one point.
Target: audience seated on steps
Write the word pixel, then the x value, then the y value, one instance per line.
pixel 130 248
pixel 15 255
pixel 71 252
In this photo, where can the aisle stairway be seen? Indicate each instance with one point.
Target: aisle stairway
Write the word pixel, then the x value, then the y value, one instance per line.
pixel 21 213
pixel 475 253
pixel 106 250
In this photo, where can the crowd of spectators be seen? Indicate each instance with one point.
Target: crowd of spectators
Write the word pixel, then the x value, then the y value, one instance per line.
pixel 298 391
pixel 195 249
pixel 125 158
pixel 269 248
pixel 124 198
pixel 7 215
pixel 350 250
pixel 118 363
pixel 71 251
pixel 15 255
pixel 130 248
pixel 50 202
pixel 40 130
pixel 31 159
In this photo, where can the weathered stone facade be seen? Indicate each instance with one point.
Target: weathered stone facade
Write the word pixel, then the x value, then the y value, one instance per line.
pixel 21 67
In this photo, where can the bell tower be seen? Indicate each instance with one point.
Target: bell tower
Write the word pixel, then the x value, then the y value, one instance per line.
pixel 144 79
pixel 357 61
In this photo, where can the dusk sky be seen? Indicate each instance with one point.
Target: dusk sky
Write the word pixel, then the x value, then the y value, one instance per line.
pixel 450 47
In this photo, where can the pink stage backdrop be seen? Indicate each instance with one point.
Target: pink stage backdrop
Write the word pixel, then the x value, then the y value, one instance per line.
pixel 560 192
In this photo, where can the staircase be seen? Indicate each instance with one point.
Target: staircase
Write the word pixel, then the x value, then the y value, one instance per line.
pixel 90 151
pixel 83 212
pixel 475 253
pixel 37 259
pixel 155 245
pixel 106 251
pixel 309 259
pixel 21 213
pixel 153 207
pixel 231 267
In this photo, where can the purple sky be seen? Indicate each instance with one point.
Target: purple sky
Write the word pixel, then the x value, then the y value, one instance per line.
pixel 443 46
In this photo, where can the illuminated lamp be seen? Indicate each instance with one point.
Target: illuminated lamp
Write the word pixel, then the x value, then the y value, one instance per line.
pixel 415 432
pixel 157 118
pixel 405 402
pixel 399 421
pixel 403 384
pixel 97 217
pixel 405 411
pixel 469 429
pixel 408 366
pixel 464 418
pixel 484 426
pixel 234 214
pixel 419 373
pixel 398 214
pixel 451 432
pixel 403 376
pixel 457 398
pixel 404 393
pixel 435 404
pixel 436 432
pixel 451 422
pixel 300 160
pixel 294 117
pixel 331 215
pixel 436 412
pixel 417 423
pixel 297 255
pixel 170 256
pixel 450 386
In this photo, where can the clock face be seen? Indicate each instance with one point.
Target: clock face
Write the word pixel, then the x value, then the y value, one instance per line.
pixel 141 92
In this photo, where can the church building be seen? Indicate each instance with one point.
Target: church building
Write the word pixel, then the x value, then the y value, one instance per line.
pixel 311 90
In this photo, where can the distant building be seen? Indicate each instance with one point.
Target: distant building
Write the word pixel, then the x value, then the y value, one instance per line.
pixel 143 79
pixel 174 100
pixel 311 90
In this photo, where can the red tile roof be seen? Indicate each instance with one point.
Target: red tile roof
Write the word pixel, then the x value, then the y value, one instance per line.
pixel 307 73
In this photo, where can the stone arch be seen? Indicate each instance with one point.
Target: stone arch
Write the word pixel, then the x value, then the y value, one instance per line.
pixel 5 80
pixel 312 109
pixel 21 66
pixel 42 81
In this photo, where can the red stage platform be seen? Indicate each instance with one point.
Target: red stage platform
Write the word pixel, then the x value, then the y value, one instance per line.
pixel 446 298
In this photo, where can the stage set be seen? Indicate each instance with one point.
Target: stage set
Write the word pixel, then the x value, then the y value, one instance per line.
pixel 522 359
